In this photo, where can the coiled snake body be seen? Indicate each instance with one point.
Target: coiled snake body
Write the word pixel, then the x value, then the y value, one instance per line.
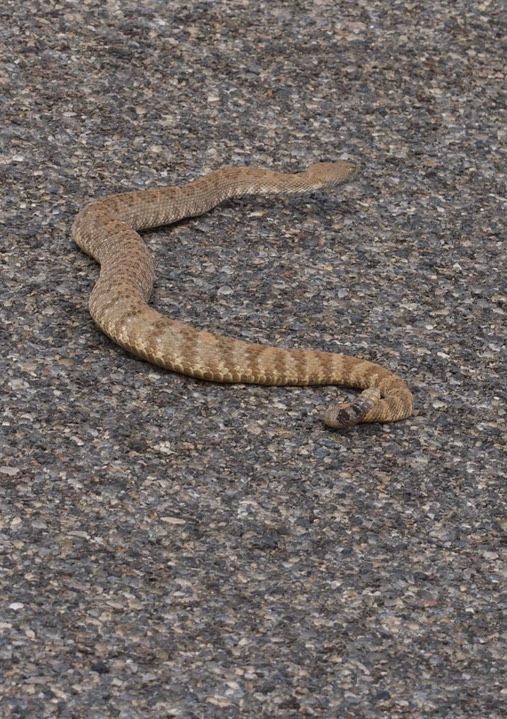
pixel 107 229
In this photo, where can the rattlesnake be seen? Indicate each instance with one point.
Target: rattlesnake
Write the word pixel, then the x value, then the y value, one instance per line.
pixel 107 229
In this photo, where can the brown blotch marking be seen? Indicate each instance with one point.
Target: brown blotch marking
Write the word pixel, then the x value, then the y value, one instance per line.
pixel 157 328
pixel 252 367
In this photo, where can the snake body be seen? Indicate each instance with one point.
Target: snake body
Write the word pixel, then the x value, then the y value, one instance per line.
pixel 107 229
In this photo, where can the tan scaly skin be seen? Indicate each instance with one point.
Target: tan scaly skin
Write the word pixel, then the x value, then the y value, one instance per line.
pixel 107 229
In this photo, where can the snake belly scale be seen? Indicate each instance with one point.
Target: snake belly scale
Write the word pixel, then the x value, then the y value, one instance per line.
pixel 107 229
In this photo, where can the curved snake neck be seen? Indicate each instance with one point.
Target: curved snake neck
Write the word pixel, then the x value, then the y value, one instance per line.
pixel 107 229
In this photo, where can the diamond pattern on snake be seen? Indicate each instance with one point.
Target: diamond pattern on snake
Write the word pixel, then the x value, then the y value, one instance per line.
pixel 108 230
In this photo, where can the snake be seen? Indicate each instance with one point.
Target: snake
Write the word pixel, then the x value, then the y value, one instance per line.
pixel 108 229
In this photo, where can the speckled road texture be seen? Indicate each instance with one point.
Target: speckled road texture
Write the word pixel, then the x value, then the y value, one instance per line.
pixel 175 548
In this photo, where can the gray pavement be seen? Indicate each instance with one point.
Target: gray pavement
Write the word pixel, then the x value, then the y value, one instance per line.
pixel 174 548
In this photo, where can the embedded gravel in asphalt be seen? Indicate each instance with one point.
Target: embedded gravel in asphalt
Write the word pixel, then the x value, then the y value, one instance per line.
pixel 175 548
